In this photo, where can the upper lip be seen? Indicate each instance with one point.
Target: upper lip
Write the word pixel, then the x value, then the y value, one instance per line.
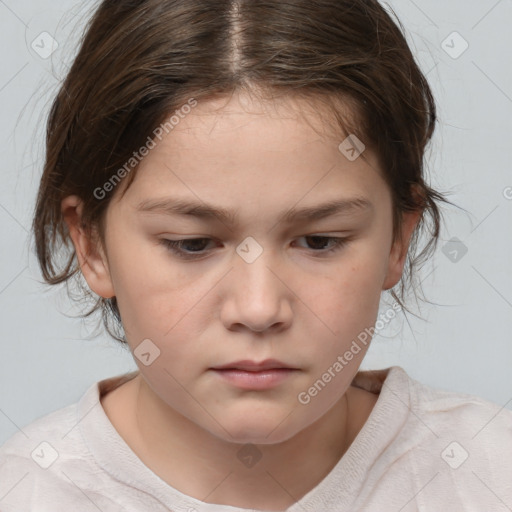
pixel 253 366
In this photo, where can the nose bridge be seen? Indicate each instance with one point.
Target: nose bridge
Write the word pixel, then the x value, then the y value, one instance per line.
pixel 252 268
pixel 255 295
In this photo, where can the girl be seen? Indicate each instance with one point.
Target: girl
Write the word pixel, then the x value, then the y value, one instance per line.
pixel 238 183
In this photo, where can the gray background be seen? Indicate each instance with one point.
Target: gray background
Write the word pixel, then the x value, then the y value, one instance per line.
pixel 464 343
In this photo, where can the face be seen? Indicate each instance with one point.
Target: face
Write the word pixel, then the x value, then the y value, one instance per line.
pixel 262 278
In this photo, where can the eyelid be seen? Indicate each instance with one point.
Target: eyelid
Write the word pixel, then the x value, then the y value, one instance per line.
pixel 174 245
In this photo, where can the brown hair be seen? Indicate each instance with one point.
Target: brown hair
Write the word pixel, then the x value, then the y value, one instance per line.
pixel 139 60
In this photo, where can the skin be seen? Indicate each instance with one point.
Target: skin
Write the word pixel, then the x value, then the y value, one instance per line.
pixel 295 302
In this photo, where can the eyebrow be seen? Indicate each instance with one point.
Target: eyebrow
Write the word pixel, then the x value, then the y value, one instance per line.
pixel 177 206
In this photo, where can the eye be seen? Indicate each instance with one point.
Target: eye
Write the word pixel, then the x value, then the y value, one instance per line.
pixel 318 242
pixel 194 247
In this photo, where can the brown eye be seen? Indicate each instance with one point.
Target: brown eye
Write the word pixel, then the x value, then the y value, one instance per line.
pixel 324 244
pixel 187 248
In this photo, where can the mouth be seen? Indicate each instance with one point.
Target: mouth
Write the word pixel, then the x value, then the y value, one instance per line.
pixel 251 375
pixel 253 366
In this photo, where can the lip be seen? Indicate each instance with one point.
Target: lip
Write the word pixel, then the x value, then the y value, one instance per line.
pixel 255 380
pixel 253 366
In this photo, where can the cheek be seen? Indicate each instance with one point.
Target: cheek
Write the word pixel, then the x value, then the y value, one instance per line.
pixel 162 303
pixel 349 309
pixel 350 300
pixel 144 288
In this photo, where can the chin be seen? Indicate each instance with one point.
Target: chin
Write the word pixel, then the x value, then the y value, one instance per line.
pixel 256 430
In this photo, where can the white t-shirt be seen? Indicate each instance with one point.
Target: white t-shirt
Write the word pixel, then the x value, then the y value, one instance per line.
pixel 421 449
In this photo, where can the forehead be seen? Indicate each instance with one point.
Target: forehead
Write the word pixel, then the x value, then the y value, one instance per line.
pixel 242 145
pixel 295 113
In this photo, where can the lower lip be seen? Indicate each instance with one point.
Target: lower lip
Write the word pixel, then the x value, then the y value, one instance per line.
pixel 255 380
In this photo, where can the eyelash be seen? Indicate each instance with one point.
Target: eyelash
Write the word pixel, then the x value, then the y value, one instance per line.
pixel 175 246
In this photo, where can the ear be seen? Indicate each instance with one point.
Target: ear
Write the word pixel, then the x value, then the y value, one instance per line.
pixel 399 249
pixel 90 255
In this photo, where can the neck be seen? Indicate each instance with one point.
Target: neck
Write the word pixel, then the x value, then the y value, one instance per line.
pixel 210 469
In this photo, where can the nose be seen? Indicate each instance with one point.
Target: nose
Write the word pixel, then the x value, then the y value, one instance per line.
pixel 256 296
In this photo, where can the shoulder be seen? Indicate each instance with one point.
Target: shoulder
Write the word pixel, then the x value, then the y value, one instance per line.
pixel 429 449
pixel 40 443
pixel 457 442
pixel 46 460
pixel 436 409
pixel 438 450
pixel 464 414
pixel 53 424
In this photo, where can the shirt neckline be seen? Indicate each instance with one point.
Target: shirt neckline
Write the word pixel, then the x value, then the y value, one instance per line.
pixel 340 486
